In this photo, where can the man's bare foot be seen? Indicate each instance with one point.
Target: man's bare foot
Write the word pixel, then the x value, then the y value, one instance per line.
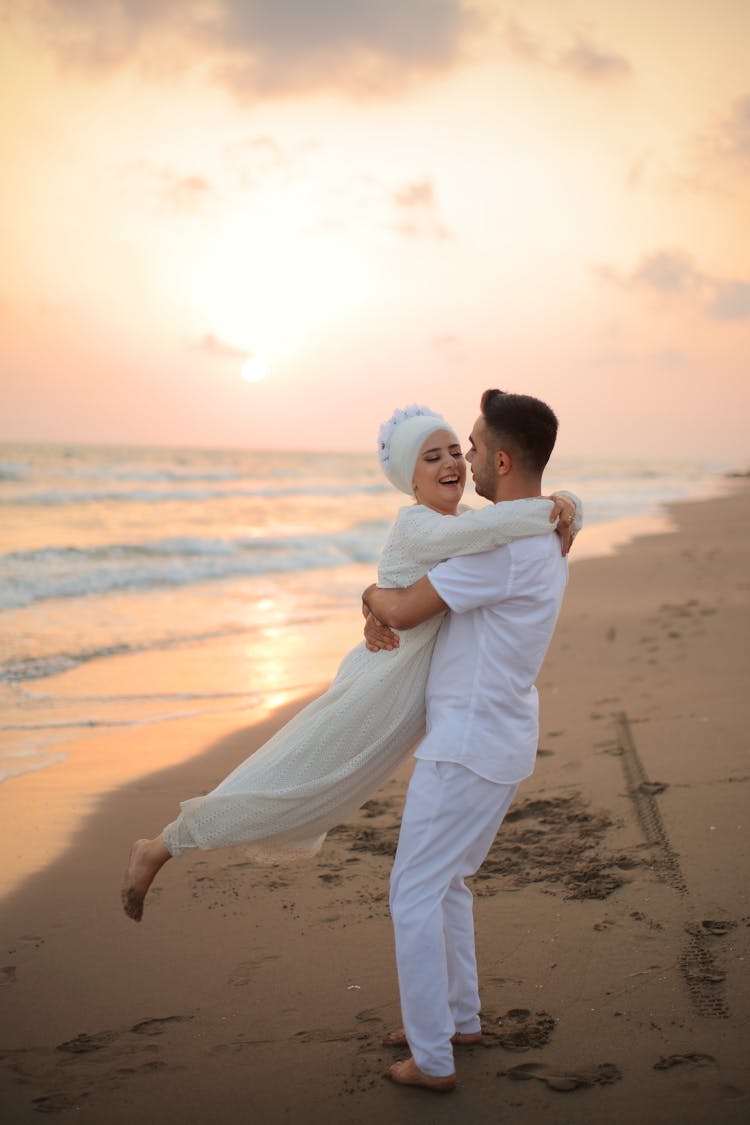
pixel 460 1039
pixel 147 857
pixel 407 1073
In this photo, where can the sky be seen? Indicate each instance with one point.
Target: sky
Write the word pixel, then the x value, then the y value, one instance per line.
pixel 266 223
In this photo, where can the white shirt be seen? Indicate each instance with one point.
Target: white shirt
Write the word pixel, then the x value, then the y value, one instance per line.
pixel 482 706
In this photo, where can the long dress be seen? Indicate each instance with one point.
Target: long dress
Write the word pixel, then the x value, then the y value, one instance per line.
pixel 322 765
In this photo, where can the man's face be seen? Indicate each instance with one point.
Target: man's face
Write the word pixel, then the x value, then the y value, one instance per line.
pixel 483 471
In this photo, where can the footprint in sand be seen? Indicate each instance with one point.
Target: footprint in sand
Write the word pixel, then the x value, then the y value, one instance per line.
pixel 377 808
pixel 691 1059
pixel 639 916
pixel 519 1029
pixel 716 929
pixel 83 1044
pixel 247 971
pixel 652 788
pixel 564 1081
pixel 8 975
pixel 369 1015
pixel 61 1078
pixel 158 1024
pixel 57 1103
pixel 326 1035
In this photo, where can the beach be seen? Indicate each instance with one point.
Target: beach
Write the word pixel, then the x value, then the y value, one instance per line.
pixel 612 915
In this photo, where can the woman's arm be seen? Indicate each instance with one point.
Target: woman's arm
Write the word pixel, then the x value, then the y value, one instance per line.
pixel 429 537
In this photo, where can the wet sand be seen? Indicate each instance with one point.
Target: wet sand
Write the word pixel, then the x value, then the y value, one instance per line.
pixel 612 914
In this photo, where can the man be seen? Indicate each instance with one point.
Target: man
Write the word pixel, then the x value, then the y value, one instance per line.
pixel 482 731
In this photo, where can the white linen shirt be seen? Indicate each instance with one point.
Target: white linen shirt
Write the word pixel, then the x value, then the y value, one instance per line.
pixel 482 706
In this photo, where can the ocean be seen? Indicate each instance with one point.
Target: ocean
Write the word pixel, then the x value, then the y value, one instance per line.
pixel 110 552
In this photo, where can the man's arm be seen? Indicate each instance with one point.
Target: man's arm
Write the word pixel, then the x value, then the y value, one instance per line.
pixel 403 609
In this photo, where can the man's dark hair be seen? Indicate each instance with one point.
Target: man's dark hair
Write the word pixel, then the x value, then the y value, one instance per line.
pixel 523 425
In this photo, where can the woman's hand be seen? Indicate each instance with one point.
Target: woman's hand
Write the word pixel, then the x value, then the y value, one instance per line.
pixel 564 512
pixel 378 636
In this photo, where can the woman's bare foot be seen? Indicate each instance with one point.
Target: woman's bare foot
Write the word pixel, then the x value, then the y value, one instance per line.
pixel 147 857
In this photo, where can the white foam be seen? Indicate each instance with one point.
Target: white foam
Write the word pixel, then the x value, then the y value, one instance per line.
pixel 9 771
pixel 72 572
pixel 56 497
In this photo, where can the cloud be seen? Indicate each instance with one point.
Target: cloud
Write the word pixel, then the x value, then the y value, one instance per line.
pixel 730 300
pixel 667 271
pixel 448 344
pixel 213 346
pixel 417 211
pixel 639 170
pixel 591 64
pixel 581 59
pixel 259 160
pixel 617 357
pixel 732 137
pixel 522 43
pixel 272 47
pixel 416 195
pixel 174 190
pixel 716 159
pixel 676 273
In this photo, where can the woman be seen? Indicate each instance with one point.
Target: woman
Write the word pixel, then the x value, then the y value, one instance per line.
pixel 322 765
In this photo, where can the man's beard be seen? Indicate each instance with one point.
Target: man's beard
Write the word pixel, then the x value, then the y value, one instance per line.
pixel 485 485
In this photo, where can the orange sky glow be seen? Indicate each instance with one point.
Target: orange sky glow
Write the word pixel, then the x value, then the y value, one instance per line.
pixel 266 223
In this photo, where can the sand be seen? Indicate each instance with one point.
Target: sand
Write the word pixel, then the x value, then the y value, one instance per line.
pixel 612 914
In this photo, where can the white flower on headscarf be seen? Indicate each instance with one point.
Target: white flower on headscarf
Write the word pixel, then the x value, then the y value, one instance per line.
pixel 400 440
pixel 388 428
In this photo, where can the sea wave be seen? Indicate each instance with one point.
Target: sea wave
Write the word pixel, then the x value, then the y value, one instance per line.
pixel 165 476
pixel 27 577
pixel 57 497
pixel 12 470
pixel 10 769
pixel 20 668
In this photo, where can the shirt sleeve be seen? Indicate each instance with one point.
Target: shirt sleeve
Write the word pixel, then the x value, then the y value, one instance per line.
pixel 578 517
pixel 429 537
pixel 472 581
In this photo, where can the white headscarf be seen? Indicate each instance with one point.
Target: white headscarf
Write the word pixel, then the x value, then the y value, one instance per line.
pixel 400 440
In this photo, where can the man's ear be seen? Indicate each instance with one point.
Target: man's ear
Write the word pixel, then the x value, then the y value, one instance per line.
pixel 503 462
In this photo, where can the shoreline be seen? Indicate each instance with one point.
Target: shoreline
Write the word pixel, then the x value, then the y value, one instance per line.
pixel 183 677
pixel 100 760
pixel 612 916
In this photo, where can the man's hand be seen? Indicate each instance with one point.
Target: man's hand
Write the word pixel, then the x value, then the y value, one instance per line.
pixel 564 511
pixel 378 636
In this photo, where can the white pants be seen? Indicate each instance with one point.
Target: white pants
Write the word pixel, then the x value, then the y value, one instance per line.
pixel 450 819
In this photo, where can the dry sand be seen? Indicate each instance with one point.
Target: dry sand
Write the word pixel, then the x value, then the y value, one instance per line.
pixel 612 915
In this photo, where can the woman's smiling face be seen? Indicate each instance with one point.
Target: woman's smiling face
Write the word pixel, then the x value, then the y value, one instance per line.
pixel 440 473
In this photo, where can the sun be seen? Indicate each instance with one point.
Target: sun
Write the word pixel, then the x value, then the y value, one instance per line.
pixel 254 369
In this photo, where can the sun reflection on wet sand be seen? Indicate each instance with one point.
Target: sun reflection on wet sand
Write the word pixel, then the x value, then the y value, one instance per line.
pixel 41 811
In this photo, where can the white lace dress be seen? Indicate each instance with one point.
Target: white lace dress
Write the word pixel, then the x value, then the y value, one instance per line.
pixel 321 766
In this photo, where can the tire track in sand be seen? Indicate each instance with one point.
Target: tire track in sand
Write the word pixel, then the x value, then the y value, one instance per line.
pixel 704 979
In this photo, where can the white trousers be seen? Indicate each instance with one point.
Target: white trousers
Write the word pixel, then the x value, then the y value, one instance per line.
pixel 451 817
